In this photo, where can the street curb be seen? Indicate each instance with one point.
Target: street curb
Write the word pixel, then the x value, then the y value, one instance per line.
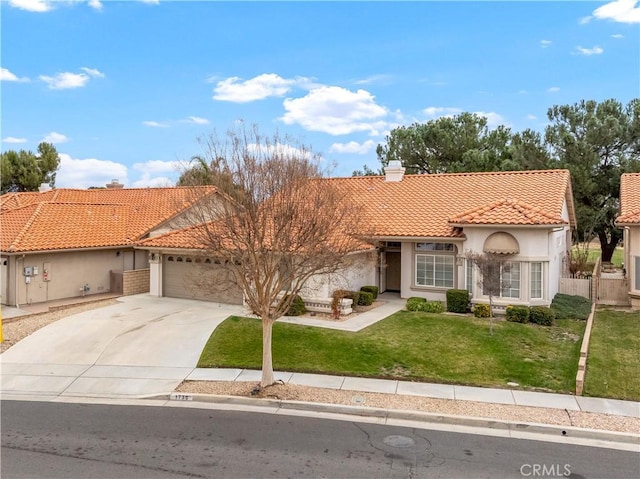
pixel 512 427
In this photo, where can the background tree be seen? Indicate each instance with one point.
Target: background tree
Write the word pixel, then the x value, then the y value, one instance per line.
pixel 458 143
pixel 281 223
pixel 25 171
pixel 492 267
pixel 597 142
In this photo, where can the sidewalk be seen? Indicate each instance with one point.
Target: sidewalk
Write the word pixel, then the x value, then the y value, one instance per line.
pixel 515 397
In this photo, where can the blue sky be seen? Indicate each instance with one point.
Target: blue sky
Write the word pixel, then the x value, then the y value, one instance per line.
pixel 124 89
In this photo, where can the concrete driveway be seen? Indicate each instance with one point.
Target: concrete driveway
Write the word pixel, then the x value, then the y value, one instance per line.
pixel 139 347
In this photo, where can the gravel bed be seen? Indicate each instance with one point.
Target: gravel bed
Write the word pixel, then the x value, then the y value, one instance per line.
pixel 292 392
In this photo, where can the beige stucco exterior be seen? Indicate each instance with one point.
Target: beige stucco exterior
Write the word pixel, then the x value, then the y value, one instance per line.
pixel 66 274
pixel 632 263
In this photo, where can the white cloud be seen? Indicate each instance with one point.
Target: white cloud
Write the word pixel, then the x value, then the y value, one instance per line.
pixel 440 111
pixel 335 110
pixel 153 182
pixel 77 173
pixel 93 72
pixel 622 11
pixel 151 2
pixel 95 4
pixel 523 92
pixel 155 124
pixel 13 139
pixel 353 147
pixel 531 117
pixel 32 5
pixel 279 149
pixel 553 89
pixel 617 35
pixel 379 78
pixel 197 120
pixel 493 119
pixel 585 20
pixel 258 88
pixel 588 51
pixel 6 75
pixel 55 137
pixel 67 80
pixel 159 166
pixel 545 43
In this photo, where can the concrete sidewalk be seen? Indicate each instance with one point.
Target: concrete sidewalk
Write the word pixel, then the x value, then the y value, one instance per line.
pixel 440 391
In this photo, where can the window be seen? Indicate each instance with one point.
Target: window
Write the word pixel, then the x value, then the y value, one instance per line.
pixel 435 247
pixel 511 279
pixel 434 270
pixel 170 258
pixel 469 276
pixel 536 280
pixel 637 268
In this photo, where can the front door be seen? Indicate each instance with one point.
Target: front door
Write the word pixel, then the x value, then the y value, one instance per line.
pixel 393 271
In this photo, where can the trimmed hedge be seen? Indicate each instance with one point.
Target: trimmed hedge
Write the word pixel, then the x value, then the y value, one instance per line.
pixel 297 307
pixel 481 311
pixel 432 307
pixel 424 306
pixel 413 303
pixel 518 314
pixel 371 289
pixel 365 298
pixel 542 315
pixel 457 300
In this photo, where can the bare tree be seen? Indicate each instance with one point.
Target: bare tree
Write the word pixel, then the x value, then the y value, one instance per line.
pixel 282 222
pixel 492 267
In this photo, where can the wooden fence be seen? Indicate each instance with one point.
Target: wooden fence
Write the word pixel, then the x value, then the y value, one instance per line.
pixel 576 286
pixel 613 291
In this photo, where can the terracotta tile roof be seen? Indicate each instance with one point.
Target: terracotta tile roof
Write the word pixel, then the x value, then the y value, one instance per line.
pixel 629 199
pixel 432 205
pixel 68 218
pixel 422 205
pixel 506 212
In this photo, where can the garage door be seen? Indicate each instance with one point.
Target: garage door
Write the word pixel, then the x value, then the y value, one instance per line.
pixel 198 278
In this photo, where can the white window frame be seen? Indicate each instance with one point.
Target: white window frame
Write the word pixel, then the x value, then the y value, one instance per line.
pixel 468 275
pixel 510 272
pixel 533 281
pixel 435 257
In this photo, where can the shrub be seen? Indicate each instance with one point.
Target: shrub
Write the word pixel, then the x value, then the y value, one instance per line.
pixel 481 310
pixel 518 314
pixel 413 303
pixel 297 307
pixel 567 306
pixel 432 307
pixel 371 289
pixel 457 300
pixel 346 294
pixel 542 315
pixel 365 298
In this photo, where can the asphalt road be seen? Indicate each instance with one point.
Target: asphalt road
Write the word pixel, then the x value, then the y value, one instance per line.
pixel 64 440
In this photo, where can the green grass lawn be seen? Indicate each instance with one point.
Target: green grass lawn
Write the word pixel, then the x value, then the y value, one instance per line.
pixel 421 346
pixel 613 363
pixel 616 259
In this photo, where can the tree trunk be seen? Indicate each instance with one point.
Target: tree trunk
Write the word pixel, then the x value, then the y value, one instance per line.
pixel 267 359
pixel 490 315
pixel 607 248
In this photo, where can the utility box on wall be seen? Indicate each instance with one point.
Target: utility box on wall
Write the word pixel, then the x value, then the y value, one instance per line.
pixel 46 272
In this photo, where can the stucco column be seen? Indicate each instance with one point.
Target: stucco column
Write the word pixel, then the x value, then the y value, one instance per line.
pixel 155 273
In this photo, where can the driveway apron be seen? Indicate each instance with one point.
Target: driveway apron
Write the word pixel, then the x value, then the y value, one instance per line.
pixel 141 346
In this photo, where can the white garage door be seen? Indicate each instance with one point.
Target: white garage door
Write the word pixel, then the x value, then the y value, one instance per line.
pixel 198 278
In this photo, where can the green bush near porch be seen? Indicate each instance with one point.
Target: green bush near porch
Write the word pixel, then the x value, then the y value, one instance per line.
pixel 411 345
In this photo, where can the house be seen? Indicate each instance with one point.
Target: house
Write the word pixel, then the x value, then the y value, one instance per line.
pixel 629 220
pixel 422 226
pixel 65 243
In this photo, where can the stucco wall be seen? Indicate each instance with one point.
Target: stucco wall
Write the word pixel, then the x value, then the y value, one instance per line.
pixel 632 247
pixel 68 273
pixel 361 270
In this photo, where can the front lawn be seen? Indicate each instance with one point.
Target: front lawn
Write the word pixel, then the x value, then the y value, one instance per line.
pixel 420 346
pixel 613 363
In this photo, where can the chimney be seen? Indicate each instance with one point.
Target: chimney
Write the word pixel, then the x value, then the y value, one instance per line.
pixel 115 184
pixel 394 171
pixel 44 187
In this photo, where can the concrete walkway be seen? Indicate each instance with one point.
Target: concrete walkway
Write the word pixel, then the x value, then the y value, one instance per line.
pixel 145 346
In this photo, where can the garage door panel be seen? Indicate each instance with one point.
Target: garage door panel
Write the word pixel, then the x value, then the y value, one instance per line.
pixel 198 280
